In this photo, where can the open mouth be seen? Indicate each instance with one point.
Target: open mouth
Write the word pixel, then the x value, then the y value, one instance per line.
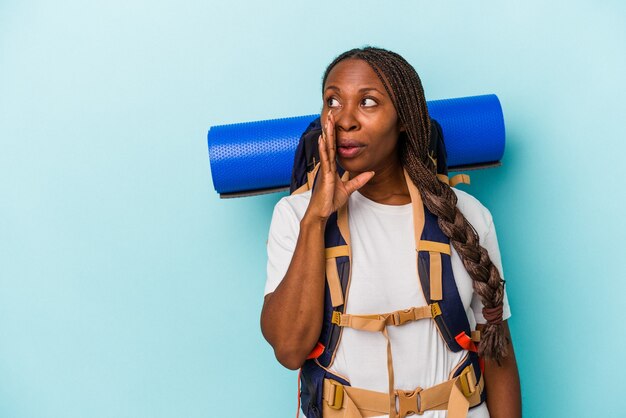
pixel 349 148
pixel 349 151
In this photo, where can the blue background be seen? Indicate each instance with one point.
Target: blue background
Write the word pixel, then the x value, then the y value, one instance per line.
pixel 129 289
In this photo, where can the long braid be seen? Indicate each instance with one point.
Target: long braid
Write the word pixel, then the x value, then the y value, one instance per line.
pixel 405 89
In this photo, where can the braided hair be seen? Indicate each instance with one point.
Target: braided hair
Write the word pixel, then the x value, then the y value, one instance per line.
pixel 403 85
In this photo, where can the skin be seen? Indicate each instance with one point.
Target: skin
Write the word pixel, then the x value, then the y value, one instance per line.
pixel 357 110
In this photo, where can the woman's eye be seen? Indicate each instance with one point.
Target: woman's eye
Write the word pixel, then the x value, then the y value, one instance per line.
pixel 332 102
pixel 367 102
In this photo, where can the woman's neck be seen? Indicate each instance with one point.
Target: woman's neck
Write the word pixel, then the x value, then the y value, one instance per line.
pixel 388 186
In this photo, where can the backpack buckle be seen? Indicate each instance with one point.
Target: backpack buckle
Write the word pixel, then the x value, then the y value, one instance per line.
pixel 468 381
pixel 435 309
pixel 336 319
pixel 336 395
pixel 402 317
pixel 409 402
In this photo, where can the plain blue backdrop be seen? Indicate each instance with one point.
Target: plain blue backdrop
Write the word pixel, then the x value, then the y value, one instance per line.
pixel 129 289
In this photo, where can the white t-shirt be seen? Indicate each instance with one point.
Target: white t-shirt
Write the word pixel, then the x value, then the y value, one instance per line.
pixel 384 279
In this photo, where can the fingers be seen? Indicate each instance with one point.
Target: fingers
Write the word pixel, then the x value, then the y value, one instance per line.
pixel 321 146
pixel 330 141
pixel 358 182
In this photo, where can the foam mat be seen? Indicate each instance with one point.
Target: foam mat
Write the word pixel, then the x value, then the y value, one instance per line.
pixel 253 157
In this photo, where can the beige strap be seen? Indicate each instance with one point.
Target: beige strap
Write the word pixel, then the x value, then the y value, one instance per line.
pixel 459 178
pixel 378 322
pixel 440 247
pixel 310 176
pixel 435 249
pixel 310 179
pixel 334 283
pixel 418 211
pixel 301 189
pixel 339 251
pixel 436 290
pixel 455 395
pixel 392 396
pixel 332 275
pixel 338 401
pixel 458 405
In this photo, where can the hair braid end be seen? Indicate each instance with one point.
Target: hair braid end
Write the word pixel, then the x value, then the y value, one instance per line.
pixel 493 342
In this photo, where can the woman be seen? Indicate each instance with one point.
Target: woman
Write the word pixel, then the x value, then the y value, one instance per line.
pixel 376 126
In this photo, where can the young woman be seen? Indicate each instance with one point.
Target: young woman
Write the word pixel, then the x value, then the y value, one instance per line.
pixel 376 126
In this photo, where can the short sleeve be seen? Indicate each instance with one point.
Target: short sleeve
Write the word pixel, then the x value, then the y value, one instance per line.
pixel 490 242
pixel 281 243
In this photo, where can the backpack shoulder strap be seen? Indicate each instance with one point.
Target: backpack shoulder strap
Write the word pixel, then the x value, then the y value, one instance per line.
pixel 435 272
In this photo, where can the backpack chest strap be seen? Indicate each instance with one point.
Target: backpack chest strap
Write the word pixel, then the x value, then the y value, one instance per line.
pixel 377 322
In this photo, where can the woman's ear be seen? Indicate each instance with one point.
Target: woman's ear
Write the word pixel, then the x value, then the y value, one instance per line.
pixel 402 128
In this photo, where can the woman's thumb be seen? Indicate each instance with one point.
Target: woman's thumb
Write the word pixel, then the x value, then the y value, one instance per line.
pixel 359 181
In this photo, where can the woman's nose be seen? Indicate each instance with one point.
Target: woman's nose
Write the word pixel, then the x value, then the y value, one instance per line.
pixel 345 120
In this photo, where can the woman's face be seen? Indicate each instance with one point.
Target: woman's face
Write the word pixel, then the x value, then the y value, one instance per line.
pixel 366 122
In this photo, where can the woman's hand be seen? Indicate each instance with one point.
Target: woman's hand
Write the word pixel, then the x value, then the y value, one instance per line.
pixel 330 192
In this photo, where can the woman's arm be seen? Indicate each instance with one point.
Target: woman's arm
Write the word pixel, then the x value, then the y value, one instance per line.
pixel 291 319
pixel 292 315
pixel 502 383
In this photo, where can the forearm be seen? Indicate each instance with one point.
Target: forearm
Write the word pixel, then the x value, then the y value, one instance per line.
pixel 292 315
pixel 503 384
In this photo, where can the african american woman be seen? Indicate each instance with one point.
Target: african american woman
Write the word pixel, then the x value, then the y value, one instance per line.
pixel 392 357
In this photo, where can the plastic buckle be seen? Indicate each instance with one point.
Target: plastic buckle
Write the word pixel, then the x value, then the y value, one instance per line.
pixel 468 381
pixel 409 403
pixel 336 318
pixel 435 309
pixel 402 317
pixel 337 392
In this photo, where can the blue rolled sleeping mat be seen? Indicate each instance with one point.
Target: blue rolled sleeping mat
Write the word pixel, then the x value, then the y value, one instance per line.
pixel 257 157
